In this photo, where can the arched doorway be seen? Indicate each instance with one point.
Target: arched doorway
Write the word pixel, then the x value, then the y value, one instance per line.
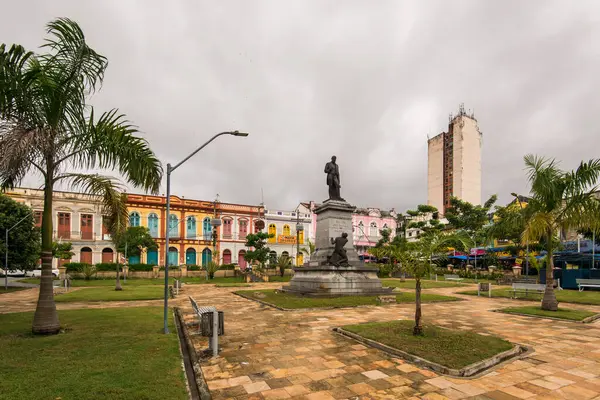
pixel 272 257
pixel 190 256
pixel 227 256
pixel 152 257
pixel 241 260
pixel 173 256
pixel 107 255
pixel 206 256
pixel 85 255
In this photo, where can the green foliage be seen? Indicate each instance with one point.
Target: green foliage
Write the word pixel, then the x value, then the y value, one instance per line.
pixel 227 267
pixel 107 267
pixel 463 215
pixel 283 262
pixel 194 267
pixel 385 237
pixel 62 250
pixel 88 271
pixel 76 267
pixel 143 267
pixel 136 238
pixel 384 270
pixel 258 250
pixel 426 208
pixel 23 240
pixel 311 248
pixel 211 267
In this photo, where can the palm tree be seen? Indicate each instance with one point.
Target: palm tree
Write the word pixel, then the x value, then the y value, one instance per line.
pixel 283 261
pixel 417 261
pixel 46 126
pixel 560 200
pixel 310 250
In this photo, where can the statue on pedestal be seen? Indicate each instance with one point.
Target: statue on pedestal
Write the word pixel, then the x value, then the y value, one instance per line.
pixel 339 258
pixel 333 179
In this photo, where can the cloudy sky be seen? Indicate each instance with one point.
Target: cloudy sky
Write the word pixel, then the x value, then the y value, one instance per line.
pixel 365 80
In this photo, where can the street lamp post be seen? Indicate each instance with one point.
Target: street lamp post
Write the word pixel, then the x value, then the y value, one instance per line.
pixel 6 252
pixel 299 228
pixel 170 169
pixel 516 196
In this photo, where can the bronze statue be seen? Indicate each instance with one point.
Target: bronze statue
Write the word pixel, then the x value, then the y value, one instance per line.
pixel 333 179
pixel 339 258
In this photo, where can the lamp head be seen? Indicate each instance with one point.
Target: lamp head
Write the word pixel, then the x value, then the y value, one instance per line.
pixel 238 133
pixel 513 194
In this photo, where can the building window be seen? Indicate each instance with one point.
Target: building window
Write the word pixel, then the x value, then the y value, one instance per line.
pixel 107 255
pixel 191 228
pixel 173 223
pixel 85 255
pixel 241 260
pixel 64 225
pixel 273 257
pixel 227 228
pixel 206 229
pixel 153 225
pixel 286 230
pixel 373 229
pixel 243 229
pixel 134 219
pixel 173 257
pixel 37 218
pixel 87 226
pixel 273 232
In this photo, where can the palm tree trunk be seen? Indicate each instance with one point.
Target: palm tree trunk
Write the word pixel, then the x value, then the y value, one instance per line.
pixel 45 320
pixel 549 301
pixel 418 329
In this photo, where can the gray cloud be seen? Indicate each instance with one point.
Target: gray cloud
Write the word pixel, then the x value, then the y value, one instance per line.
pixel 367 81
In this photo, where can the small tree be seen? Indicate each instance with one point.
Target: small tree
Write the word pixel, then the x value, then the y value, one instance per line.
pixel 62 250
pixel 23 240
pixel 135 239
pixel 258 250
pixel 417 261
pixel 211 268
pixel 283 262
pixel 465 216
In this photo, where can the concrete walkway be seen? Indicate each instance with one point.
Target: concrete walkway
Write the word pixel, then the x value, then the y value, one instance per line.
pixel 271 354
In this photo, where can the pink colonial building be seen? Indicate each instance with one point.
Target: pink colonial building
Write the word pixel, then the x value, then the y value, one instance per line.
pixel 366 225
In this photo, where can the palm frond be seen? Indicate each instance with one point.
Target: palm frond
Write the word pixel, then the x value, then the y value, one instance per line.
pixel 19 152
pixel 110 143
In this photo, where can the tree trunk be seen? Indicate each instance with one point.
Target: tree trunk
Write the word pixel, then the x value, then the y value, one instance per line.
pixel 118 284
pixel 549 301
pixel 45 320
pixel 418 329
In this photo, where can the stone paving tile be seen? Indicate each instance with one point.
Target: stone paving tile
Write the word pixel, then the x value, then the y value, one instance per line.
pixel 298 353
pixel 270 354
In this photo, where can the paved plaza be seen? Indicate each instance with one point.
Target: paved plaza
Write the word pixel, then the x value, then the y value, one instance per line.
pixel 272 354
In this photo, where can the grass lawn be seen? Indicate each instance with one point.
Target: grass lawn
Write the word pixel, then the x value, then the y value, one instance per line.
pixel 287 300
pixel 233 285
pixel 562 313
pixel 12 289
pixel 110 294
pixel 425 284
pixel 453 349
pixel 117 353
pixel 564 296
pixel 139 281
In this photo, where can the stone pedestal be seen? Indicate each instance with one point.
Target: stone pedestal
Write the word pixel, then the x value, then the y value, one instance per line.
pixel 321 279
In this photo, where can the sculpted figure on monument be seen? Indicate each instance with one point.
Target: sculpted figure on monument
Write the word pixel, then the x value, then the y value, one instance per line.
pixel 339 258
pixel 333 179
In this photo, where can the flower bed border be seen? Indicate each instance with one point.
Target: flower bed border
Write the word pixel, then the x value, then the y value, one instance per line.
pixel 471 371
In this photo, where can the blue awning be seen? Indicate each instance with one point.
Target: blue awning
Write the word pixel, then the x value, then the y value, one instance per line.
pixel 459 257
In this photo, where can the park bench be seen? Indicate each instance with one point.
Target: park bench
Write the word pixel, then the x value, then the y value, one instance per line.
pixel 537 288
pixel 452 278
pixel 210 324
pixel 583 283
pixel 525 279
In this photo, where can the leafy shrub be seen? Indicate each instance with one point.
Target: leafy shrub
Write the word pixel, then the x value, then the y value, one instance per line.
pixel 107 267
pixel 75 266
pixel 171 268
pixel 228 266
pixel 384 270
pixel 140 267
pixel 88 271
pixel 194 268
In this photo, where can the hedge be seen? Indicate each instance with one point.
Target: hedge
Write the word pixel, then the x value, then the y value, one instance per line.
pixel 141 267
pixel 107 267
pixel 75 266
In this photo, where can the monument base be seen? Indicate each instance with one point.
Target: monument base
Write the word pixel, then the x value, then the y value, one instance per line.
pixel 331 281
